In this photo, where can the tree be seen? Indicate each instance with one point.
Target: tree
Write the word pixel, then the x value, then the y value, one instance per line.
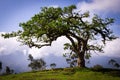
pixel 52 65
pixel 36 64
pixel 30 57
pixel 0 65
pixel 97 67
pixel 114 63
pixel 8 71
pixel 51 23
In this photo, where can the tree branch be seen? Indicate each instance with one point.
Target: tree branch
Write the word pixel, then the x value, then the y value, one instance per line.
pixel 33 44
pixel 72 41
pixel 75 36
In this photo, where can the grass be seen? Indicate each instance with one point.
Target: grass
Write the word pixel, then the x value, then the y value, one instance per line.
pixel 65 74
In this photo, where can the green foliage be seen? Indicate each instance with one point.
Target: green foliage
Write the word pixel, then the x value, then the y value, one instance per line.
pixel 49 24
pixel 52 23
pixel 8 71
pixel 36 64
pixel 114 63
pixel 71 58
pixel 52 65
pixel 30 57
pixel 97 67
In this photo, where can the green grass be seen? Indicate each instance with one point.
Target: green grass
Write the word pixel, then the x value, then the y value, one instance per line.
pixel 65 74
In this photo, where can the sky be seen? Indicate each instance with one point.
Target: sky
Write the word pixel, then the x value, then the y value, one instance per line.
pixel 13 12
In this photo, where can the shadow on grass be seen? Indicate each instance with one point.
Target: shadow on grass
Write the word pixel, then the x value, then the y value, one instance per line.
pixel 110 72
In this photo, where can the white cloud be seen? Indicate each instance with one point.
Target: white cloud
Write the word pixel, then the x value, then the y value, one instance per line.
pixel 18 55
pixel 100 5
pixel 2 49
pixel 56 48
pixel 112 48
pixel 104 7
pixel 9 46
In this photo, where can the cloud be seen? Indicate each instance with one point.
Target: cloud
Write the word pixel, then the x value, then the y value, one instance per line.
pixel 16 61
pixel 112 48
pixel 9 46
pixel 17 55
pixel 104 8
pixel 2 49
pixel 56 48
pixel 100 5
pixel 13 55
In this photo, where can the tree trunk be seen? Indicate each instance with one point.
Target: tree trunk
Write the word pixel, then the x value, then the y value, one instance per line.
pixel 81 53
pixel 81 60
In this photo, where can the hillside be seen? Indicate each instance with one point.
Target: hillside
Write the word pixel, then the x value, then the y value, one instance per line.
pixel 66 74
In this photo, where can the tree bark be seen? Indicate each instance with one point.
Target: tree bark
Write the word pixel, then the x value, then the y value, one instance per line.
pixel 81 60
pixel 79 49
pixel 81 53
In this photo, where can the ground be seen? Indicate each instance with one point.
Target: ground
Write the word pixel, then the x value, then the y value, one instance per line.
pixel 66 74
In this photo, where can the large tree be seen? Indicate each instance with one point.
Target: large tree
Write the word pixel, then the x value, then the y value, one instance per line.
pixel 51 23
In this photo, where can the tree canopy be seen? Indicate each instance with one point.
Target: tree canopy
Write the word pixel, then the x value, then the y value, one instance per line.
pixel 50 23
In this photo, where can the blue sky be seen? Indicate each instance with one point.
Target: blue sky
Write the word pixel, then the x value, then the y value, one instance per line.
pixel 13 12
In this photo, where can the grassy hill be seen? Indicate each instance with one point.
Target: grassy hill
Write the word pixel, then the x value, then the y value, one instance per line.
pixel 66 74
